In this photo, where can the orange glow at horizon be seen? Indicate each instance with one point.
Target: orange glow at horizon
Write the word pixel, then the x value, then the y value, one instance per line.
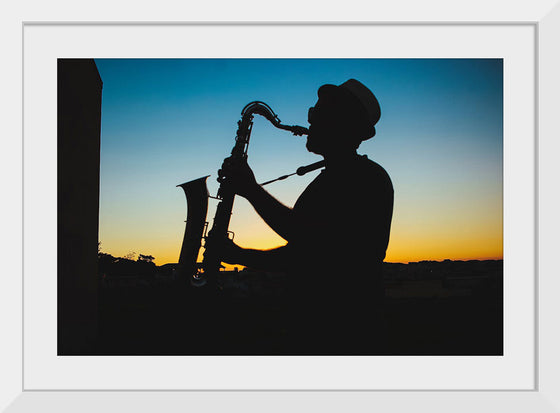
pixel 405 245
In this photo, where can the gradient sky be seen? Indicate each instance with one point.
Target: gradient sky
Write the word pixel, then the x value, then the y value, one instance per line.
pixel 168 121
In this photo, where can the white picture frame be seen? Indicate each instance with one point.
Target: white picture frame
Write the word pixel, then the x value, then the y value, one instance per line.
pixel 545 18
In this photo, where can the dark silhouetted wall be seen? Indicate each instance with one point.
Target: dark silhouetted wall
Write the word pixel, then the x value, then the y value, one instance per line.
pixel 79 127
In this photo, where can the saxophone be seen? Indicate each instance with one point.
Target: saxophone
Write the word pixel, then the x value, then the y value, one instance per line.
pixel 197 196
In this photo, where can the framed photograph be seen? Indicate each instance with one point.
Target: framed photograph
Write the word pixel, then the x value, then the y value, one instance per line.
pixel 519 375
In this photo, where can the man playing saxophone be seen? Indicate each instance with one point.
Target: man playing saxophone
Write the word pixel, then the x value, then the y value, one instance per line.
pixel 337 232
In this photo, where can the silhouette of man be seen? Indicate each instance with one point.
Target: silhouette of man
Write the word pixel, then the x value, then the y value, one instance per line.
pixel 337 231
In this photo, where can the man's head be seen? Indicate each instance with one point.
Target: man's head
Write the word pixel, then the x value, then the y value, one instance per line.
pixel 343 117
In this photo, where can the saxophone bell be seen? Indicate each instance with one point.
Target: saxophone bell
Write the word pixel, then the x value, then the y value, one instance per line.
pixel 196 193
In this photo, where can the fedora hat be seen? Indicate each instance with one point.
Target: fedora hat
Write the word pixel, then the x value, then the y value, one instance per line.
pixel 354 92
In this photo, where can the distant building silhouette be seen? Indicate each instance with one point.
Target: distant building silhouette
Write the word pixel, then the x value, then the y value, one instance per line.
pixel 79 128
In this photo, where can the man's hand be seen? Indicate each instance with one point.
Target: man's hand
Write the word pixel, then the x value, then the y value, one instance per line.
pixel 224 248
pixel 238 177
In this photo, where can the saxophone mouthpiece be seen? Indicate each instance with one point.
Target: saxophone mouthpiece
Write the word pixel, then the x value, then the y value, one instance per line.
pixel 295 129
pixel 300 130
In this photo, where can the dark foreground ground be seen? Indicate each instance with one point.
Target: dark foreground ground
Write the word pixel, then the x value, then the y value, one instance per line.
pixel 428 312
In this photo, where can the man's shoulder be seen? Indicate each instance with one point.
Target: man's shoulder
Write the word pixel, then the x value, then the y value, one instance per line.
pixel 373 169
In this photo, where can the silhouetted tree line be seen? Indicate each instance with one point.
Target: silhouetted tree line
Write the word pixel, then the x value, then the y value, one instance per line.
pixel 143 267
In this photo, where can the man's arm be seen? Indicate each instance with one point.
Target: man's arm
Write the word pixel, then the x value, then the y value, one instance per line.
pixel 278 216
pixel 277 259
pixel 240 178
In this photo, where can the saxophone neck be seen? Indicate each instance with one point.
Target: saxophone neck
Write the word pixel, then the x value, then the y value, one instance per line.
pixel 261 108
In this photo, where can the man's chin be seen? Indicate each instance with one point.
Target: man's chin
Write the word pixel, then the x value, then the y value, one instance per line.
pixel 313 149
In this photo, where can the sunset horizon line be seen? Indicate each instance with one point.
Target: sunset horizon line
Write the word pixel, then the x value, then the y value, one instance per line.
pixel 404 261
